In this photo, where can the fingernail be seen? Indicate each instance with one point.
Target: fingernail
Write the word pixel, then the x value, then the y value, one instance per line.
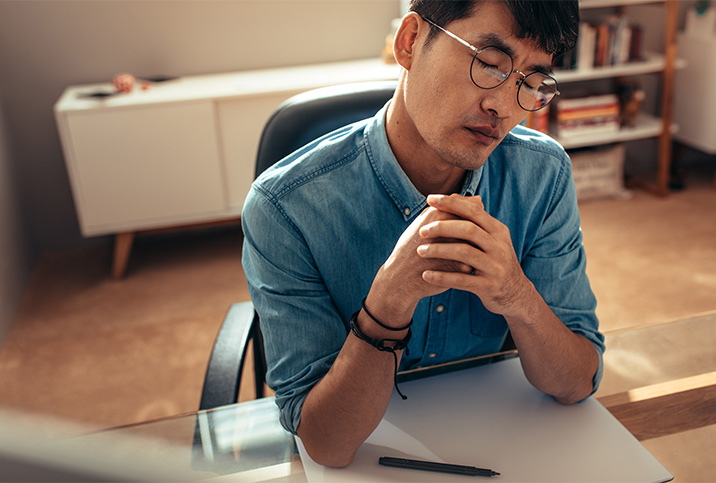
pixel 435 198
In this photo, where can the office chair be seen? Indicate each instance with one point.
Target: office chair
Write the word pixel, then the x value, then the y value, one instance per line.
pixel 296 122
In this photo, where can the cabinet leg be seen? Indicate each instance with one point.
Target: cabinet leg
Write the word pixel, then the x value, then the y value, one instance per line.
pixel 122 248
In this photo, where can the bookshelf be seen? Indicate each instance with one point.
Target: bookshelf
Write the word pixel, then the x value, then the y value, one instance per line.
pixel 648 125
pixel 651 63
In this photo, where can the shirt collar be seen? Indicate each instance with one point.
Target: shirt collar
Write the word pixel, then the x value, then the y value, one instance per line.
pixel 406 197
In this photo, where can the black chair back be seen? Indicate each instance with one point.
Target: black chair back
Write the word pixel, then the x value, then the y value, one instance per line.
pixel 308 116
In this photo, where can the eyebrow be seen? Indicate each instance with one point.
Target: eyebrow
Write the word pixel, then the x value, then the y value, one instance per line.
pixel 494 40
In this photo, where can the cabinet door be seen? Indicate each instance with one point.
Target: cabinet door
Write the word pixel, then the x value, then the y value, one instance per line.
pixel 241 123
pixel 145 167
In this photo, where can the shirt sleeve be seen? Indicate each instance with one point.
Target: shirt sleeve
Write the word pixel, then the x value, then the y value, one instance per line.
pixel 293 304
pixel 556 265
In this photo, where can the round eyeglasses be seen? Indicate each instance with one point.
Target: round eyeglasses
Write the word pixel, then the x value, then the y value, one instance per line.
pixel 491 67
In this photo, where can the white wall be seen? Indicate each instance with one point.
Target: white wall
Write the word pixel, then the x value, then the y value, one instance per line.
pixel 47 45
pixel 14 253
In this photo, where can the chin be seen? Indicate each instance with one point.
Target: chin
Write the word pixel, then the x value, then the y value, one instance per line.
pixel 470 160
pixel 470 166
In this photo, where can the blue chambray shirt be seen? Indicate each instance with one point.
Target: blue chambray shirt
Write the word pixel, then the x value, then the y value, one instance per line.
pixel 320 223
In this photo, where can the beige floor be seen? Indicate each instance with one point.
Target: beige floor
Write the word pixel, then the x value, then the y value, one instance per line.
pixel 652 260
pixel 104 353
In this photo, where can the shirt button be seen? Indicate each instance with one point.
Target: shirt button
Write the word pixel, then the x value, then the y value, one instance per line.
pixel 440 308
pixel 432 355
pixel 407 211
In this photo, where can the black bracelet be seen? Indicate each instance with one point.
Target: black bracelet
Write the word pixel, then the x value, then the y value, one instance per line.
pixel 394 329
pixel 379 344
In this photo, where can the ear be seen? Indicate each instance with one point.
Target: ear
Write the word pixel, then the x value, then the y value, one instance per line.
pixel 406 39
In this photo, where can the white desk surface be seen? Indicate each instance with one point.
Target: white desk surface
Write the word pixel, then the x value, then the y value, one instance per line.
pixel 491 417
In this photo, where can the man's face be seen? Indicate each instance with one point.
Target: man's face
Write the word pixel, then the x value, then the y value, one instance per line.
pixel 455 119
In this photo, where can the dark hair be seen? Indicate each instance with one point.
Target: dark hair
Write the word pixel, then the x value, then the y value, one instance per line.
pixel 552 24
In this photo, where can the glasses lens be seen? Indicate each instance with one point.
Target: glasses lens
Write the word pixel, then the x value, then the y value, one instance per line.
pixel 536 91
pixel 490 67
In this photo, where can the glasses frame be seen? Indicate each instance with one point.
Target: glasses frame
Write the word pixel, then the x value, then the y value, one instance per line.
pixel 522 75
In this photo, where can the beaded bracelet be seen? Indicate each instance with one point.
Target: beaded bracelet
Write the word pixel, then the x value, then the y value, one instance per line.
pixel 379 344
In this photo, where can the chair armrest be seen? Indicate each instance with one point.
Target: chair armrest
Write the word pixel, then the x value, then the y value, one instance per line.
pixel 223 374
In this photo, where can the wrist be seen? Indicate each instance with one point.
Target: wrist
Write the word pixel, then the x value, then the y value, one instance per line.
pixel 526 304
pixel 375 331
pixel 391 312
pixel 390 345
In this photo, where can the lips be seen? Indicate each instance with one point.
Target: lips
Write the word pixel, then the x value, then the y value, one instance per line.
pixel 483 134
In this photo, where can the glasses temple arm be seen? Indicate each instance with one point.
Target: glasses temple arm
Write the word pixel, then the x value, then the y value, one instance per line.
pixel 469 46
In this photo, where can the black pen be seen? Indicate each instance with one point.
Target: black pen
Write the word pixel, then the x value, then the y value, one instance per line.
pixel 434 466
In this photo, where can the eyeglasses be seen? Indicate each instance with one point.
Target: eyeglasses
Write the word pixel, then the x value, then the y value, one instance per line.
pixel 491 67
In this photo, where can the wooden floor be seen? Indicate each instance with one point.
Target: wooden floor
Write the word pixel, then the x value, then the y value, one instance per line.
pixel 101 352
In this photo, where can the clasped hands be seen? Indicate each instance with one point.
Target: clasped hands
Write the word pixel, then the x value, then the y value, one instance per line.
pixel 454 243
pixel 477 245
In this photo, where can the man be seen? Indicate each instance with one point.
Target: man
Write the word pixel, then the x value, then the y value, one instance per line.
pixel 439 212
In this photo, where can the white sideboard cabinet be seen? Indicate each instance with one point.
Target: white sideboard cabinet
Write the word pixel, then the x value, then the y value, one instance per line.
pixel 181 152
pixel 695 93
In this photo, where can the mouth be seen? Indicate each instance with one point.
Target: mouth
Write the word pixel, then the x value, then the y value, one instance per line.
pixel 485 135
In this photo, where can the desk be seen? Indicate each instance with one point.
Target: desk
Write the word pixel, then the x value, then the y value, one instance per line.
pixel 660 382
pixel 248 444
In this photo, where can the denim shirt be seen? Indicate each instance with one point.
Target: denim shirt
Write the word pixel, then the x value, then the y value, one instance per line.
pixel 319 224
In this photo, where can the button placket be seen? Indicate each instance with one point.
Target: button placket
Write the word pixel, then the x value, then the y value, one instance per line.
pixel 437 329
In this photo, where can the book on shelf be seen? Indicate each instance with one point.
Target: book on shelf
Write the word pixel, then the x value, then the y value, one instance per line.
pixel 586 44
pixel 587 102
pixel 539 120
pixel 613 41
pixel 587 115
pixel 574 129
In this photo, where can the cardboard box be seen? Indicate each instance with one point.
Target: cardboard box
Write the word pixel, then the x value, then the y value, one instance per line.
pixel 599 172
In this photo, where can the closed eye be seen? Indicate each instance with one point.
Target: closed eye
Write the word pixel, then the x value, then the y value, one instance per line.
pixel 491 69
